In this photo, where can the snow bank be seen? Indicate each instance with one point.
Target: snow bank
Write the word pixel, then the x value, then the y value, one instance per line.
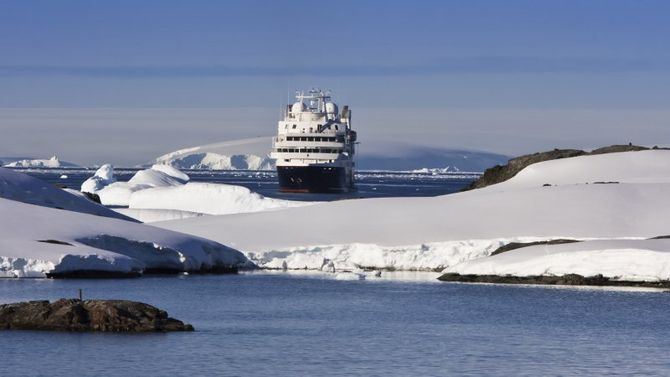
pixel 38 240
pixel 208 198
pixel 425 257
pixel 631 260
pixel 24 188
pixel 53 162
pixel 514 211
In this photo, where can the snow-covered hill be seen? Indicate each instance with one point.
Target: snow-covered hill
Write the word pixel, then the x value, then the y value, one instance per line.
pixel 439 232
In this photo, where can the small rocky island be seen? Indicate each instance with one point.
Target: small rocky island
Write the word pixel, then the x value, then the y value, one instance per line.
pixel 88 315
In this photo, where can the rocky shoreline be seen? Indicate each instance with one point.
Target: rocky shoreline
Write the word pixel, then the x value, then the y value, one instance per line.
pixel 100 274
pixel 569 279
pixel 88 315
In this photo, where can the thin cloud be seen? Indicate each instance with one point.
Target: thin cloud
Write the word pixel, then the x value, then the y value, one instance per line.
pixel 482 65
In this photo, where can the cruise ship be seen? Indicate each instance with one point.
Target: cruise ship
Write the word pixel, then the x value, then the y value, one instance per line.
pixel 314 146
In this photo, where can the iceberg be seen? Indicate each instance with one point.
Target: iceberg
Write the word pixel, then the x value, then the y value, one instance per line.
pixel 244 154
pixel 163 192
pixel 52 162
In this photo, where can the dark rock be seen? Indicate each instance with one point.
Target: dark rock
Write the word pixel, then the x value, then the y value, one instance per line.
pixel 568 279
pixel 92 197
pixel 518 245
pixel 501 173
pixel 619 148
pixel 88 315
pixel 93 274
pixel 56 242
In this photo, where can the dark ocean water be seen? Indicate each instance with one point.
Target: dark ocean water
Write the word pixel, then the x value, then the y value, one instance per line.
pixel 370 184
pixel 285 325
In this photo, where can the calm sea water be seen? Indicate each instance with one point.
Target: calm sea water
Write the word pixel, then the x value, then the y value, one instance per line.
pixel 287 325
pixel 370 184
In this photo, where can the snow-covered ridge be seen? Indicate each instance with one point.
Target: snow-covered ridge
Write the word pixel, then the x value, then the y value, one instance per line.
pixel 394 232
pixel 52 162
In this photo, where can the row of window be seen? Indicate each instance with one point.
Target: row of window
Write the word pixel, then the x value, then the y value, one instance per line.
pixel 309 150
pixel 318 127
pixel 315 138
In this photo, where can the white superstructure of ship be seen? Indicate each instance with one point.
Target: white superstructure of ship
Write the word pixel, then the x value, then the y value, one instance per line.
pixel 315 145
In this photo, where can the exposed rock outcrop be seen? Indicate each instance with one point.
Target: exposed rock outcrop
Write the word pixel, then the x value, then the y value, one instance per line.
pixel 518 245
pixel 569 279
pixel 501 173
pixel 88 315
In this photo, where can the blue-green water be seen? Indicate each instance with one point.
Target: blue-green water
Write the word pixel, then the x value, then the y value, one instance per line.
pixel 287 325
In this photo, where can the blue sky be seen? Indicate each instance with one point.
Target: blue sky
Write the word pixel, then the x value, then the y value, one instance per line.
pixel 495 75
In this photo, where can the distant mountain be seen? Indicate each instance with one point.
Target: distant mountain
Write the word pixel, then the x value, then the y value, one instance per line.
pixel 415 158
pixel 253 154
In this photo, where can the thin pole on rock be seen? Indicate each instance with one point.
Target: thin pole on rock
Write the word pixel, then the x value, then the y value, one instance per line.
pixel 80 294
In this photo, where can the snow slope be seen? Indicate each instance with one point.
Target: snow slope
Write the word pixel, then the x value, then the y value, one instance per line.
pixel 24 188
pixel 631 260
pixel 629 167
pixel 80 242
pixel 53 162
pixel 245 154
pixel 152 215
pixel 207 198
pixel 434 229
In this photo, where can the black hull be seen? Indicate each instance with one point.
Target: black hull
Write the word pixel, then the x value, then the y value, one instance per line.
pixel 315 179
